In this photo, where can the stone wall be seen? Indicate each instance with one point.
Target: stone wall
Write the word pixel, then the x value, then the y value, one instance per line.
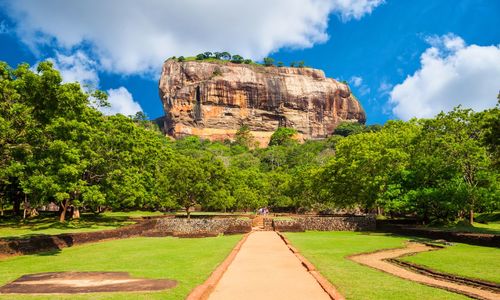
pixel 347 223
pixel 202 227
pixel 268 224
pixel 146 227
pixel 35 244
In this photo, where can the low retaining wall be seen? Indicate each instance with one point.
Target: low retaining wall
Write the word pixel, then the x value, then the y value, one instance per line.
pixel 202 227
pixel 346 223
pixel 14 246
pixel 148 227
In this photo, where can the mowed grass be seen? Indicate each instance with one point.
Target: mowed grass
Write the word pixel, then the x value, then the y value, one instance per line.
pixel 189 261
pixel 328 251
pixel 489 228
pixel 49 225
pixel 462 259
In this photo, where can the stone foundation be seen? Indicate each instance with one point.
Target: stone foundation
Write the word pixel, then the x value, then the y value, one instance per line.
pixel 268 224
pixel 202 227
pixel 347 223
pixel 151 227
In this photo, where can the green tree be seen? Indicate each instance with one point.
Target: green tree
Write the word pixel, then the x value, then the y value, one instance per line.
pixel 348 128
pixel 237 59
pixel 226 55
pixel 282 136
pixel 268 61
pixel 196 181
pixel 244 137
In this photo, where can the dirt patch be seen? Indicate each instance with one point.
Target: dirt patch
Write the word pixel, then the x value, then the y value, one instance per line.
pixel 380 260
pixel 83 282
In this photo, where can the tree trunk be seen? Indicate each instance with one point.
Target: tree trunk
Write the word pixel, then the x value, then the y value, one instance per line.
pixel 64 207
pixel 471 216
pixel 26 206
pixel 76 213
pixel 16 205
pixel 188 212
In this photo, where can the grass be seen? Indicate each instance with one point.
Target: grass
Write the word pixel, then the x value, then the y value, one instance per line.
pixel 490 228
pixel 464 260
pixel 189 261
pixel 328 251
pixel 132 214
pixel 50 225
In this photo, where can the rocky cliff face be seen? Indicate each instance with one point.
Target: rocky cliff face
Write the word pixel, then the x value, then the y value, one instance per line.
pixel 213 99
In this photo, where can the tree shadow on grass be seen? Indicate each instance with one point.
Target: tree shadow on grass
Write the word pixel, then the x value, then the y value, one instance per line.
pixel 37 225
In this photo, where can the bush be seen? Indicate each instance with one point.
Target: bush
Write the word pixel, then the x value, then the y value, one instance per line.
pixel 237 59
pixel 348 128
pixel 282 136
pixel 268 61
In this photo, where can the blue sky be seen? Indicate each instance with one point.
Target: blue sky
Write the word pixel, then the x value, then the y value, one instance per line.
pixel 402 58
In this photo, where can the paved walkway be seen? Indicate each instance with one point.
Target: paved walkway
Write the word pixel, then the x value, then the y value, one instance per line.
pixel 266 269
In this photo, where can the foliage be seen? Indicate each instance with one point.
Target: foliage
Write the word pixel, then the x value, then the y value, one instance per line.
pixel 268 61
pixel 245 138
pixel 348 128
pixel 282 136
pixel 237 59
pixel 55 146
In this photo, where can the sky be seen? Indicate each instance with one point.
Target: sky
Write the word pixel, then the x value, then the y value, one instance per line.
pixel 402 58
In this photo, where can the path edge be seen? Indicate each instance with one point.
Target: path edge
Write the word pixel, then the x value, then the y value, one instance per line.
pixel 391 261
pixel 326 285
pixel 203 291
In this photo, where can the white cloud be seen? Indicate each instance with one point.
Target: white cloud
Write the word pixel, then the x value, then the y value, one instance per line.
pixel 4 28
pixel 76 68
pixel 356 81
pixel 354 9
pixel 384 87
pixel 451 74
pixel 79 68
pixel 132 37
pixel 121 102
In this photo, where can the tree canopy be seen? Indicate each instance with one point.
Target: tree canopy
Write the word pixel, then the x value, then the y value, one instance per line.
pixel 56 146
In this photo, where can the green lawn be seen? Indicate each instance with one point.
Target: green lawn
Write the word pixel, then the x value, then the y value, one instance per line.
pixel 328 251
pixel 51 225
pixel 132 214
pixel 189 261
pixel 490 227
pixel 464 260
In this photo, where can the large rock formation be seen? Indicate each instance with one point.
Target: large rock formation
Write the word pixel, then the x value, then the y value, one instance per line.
pixel 213 99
